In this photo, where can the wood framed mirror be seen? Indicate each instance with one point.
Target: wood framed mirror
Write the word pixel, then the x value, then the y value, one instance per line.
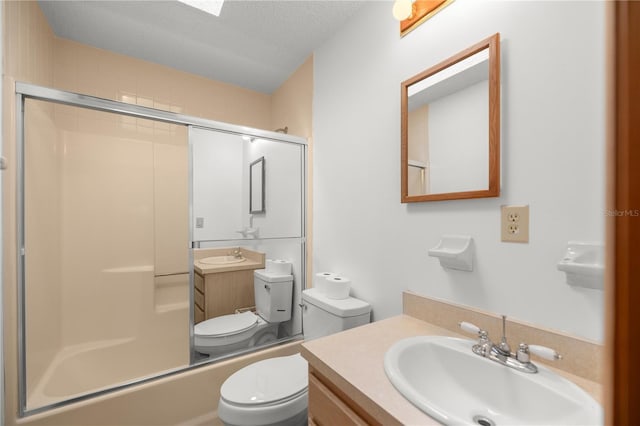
pixel 450 127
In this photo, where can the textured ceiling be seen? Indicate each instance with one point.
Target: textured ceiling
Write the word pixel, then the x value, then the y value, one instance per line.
pixel 253 44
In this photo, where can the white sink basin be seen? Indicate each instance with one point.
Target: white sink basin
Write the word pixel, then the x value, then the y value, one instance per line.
pixel 443 378
pixel 222 260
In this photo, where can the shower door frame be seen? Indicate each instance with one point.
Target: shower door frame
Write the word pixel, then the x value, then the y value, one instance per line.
pixel 25 91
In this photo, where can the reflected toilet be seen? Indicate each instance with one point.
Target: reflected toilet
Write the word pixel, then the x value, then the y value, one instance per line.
pixel 274 391
pixel 273 290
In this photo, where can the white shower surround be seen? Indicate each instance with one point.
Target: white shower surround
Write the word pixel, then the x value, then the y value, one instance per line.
pixel 553 146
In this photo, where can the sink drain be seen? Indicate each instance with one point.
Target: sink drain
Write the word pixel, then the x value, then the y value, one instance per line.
pixel 483 421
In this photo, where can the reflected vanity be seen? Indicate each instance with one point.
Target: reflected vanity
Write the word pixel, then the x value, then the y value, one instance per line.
pixel 450 121
pixel 226 286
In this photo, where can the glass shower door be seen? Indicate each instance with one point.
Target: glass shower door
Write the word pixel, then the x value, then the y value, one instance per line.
pixel 106 234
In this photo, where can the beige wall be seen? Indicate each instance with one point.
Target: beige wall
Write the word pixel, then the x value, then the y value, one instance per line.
pixel 292 102
pixel 28 56
pixel 88 70
pixel 33 54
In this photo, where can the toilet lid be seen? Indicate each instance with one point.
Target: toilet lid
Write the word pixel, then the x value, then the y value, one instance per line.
pixel 267 382
pixel 226 324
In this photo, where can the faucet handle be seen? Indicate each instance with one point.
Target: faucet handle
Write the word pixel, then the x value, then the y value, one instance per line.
pixel 484 345
pixel 545 352
pixel 471 328
pixel 542 351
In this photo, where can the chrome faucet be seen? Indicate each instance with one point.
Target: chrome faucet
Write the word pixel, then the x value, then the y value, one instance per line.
pixel 501 353
pixel 237 253
pixel 503 348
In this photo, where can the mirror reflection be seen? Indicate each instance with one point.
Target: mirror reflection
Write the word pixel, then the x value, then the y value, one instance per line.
pixel 248 267
pixel 222 185
pixel 450 138
pixel 449 129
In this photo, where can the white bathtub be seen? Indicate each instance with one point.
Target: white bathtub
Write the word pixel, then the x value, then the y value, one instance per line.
pixel 87 368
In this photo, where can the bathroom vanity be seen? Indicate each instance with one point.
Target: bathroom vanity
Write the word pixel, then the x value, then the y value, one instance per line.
pixel 223 287
pixel 348 384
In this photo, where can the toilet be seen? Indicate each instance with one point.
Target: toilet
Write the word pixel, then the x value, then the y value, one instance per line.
pixel 274 391
pixel 273 290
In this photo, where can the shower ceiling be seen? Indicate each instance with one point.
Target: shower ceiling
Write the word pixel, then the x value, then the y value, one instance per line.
pixel 253 44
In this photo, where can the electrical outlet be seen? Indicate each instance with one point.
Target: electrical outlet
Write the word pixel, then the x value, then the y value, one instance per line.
pixel 514 224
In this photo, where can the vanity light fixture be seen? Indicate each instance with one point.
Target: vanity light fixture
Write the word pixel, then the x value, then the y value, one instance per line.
pixel 403 9
pixel 412 13
pixel 212 7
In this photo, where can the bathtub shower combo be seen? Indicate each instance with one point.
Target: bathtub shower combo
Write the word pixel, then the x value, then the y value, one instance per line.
pixel 113 200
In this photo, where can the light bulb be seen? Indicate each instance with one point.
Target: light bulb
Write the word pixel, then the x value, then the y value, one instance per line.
pixel 402 9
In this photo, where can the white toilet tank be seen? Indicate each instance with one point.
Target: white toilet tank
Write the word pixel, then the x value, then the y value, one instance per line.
pixel 274 295
pixel 323 316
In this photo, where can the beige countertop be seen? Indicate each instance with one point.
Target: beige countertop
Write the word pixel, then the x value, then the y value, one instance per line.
pixel 253 260
pixel 204 269
pixel 353 360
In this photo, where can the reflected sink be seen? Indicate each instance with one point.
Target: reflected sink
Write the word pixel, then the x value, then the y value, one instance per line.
pixel 442 377
pixel 222 260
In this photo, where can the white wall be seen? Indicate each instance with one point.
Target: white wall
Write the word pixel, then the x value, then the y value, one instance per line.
pixel 283 188
pixel 553 116
pixel 217 183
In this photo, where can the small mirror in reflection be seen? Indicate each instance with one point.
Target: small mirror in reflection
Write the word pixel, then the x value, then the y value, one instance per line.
pixel 256 186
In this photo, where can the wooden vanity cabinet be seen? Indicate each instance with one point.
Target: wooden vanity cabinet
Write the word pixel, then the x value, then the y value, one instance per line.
pixel 198 298
pixel 221 293
pixel 329 406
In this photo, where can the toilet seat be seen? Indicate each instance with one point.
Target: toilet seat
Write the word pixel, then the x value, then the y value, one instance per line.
pixel 226 325
pixel 267 382
pixel 226 332
pixel 273 389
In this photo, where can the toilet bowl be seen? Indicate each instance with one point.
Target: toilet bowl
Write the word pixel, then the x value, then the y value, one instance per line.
pixel 227 333
pixel 232 332
pixel 268 392
pixel 275 391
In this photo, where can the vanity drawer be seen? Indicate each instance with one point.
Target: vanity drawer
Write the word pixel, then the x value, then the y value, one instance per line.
pixel 199 299
pixel 326 408
pixel 198 281
pixel 198 314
